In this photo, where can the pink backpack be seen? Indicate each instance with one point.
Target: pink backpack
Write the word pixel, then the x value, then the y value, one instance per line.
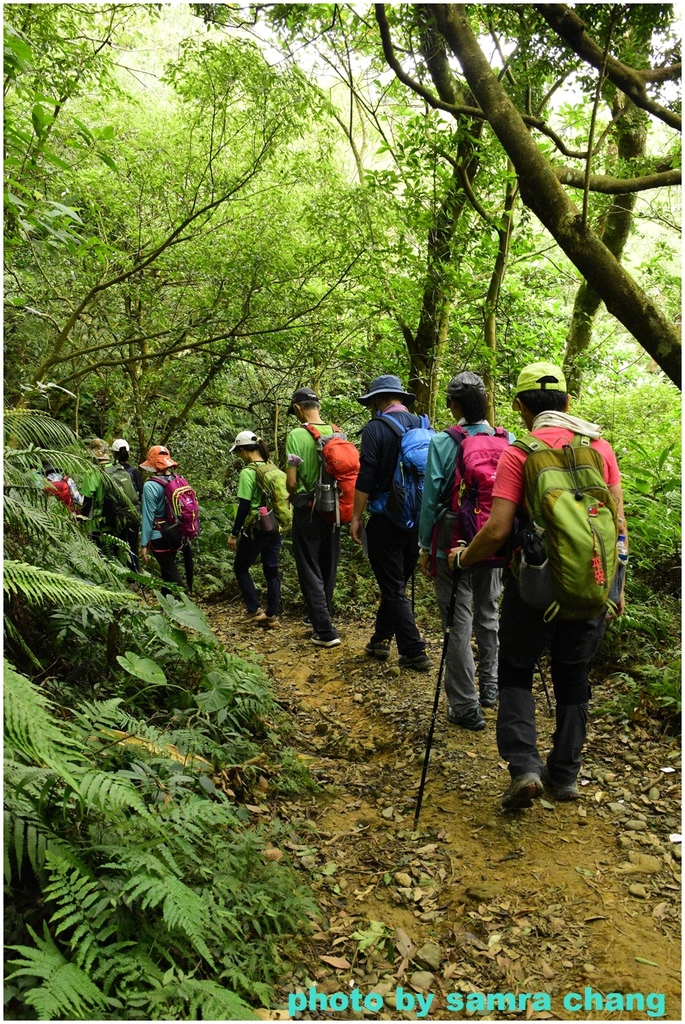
pixel 470 499
pixel 181 505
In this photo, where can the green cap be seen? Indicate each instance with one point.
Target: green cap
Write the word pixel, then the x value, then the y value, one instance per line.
pixel 540 377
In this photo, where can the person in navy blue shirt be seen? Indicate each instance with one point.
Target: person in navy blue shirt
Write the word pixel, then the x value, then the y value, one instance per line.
pixel 393 551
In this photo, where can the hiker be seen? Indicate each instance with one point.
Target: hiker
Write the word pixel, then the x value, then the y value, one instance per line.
pixel 62 487
pixel 456 500
pixel 121 452
pixel 93 489
pixel 249 539
pixel 541 399
pixel 391 535
pixel 316 540
pixel 159 530
pixel 121 509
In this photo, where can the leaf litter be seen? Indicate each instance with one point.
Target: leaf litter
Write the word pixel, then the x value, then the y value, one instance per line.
pixel 550 899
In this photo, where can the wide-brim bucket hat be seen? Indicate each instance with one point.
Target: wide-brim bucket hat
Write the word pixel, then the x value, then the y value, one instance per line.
pixel 388 384
pixel 99 449
pixel 158 458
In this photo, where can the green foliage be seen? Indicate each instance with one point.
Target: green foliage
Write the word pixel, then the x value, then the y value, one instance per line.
pixel 149 894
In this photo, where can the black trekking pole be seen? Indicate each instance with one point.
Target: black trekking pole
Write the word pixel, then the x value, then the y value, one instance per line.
pixel 544 687
pixel 413 577
pixel 429 741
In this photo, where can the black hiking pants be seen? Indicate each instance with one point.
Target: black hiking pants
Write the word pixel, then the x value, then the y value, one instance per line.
pixel 316 547
pixel 393 554
pixel 523 636
pixel 251 546
pixel 167 563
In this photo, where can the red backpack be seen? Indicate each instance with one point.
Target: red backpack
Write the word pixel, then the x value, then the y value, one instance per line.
pixel 60 489
pixel 470 498
pixel 338 469
pixel 181 505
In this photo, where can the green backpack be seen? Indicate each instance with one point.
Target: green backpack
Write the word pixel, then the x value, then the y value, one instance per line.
pixel 122 505
pixel 272 483
pixel 572 510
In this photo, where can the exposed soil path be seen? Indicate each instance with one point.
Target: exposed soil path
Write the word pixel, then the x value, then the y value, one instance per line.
pixel 562 898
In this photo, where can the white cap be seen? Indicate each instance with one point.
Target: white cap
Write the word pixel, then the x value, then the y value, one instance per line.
pixel 243 439
pixel 119 444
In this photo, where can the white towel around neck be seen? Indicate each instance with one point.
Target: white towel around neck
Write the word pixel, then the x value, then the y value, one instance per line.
pixel 562 419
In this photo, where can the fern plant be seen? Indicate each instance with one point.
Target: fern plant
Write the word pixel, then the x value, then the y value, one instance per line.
pixel 166 907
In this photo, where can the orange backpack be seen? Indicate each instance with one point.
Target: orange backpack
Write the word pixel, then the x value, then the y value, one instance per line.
pixel 338 469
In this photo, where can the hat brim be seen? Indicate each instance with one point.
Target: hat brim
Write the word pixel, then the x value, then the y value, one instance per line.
pixel 167 464
pixel 408 397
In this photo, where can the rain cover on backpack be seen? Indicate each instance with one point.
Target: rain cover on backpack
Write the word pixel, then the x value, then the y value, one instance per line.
pixel 402 503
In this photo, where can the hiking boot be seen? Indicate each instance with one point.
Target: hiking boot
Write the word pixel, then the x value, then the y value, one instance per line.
pixel 258 616
pixel 559 790
pixel 489 695
pixel 522 790
pixel 472 720
pixel 378 649
pixel 320 641
pixel 272 621
pixel 419 663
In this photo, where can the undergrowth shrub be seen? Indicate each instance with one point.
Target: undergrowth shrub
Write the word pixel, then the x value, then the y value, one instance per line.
pixel 135 884
pixel 148 905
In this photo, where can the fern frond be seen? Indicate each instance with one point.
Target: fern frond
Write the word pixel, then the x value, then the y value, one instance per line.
pixel 30 727
pixel 84 906
pixel 25 834
pixel 26 427
pixel 15 635
pixel 65 991
pixel 39 586
pixel 201 1000
pixel 151 884
pixel 109 793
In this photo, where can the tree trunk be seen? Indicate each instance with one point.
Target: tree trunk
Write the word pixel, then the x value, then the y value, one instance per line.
pixel 545 196
pixel 492 297
pixel 631 143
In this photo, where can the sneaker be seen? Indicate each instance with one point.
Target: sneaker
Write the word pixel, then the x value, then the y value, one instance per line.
pixel 522 790
pixel 258 616
pixel 272 621
pixel 378 649
pixel 489 695
pixel 419 663
pixel 319 641
pixel 472 720
pixel 558 790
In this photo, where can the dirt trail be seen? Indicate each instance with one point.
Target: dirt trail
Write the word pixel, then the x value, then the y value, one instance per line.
pixel 558 899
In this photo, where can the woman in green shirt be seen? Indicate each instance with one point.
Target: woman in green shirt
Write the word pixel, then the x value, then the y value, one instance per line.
pixel 250 543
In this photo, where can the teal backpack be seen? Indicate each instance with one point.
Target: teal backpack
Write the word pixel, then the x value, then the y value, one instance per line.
pixel 571 509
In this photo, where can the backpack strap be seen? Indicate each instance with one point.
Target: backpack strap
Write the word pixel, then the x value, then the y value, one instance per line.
pixel 311 429
pixel 457 433
pixel 391 422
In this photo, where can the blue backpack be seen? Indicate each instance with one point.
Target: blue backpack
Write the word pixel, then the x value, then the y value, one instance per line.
pixel 402 503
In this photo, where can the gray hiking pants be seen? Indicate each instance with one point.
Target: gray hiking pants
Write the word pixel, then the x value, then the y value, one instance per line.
pixel 481 588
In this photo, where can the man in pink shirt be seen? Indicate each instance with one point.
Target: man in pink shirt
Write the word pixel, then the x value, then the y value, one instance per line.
pixel 542 401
